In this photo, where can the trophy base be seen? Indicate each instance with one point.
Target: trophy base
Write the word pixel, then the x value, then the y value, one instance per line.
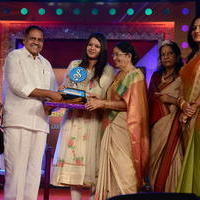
pixel 71 95
pixel 63 104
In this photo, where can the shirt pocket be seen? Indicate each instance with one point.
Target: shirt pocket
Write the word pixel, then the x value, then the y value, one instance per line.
pixel 46 79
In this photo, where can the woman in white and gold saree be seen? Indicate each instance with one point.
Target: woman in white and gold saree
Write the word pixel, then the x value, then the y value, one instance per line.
pixel 125 144
pixel 165 130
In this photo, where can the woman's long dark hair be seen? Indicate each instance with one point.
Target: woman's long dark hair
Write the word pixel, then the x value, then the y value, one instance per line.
pixel 193 45
pixel 102 58
pixel 177 51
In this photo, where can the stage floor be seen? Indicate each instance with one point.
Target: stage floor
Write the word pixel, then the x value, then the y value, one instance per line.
pixel 56 194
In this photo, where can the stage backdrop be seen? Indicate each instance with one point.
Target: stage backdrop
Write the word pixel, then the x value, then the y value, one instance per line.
pixel 66 42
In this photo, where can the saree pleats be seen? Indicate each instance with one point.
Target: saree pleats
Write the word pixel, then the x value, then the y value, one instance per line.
pixel 117 173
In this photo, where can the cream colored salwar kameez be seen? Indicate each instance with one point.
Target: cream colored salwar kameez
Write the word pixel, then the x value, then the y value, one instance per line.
pixel 77 152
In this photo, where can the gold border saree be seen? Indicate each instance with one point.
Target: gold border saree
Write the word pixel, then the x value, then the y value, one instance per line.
pixel 125 144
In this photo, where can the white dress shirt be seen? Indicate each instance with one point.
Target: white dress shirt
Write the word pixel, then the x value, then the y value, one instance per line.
pixel 22 74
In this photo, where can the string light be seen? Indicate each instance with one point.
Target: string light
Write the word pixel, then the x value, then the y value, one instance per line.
pixel 41 11
pixel 76 11
pixel 95 11
pixel 130 11
pixel 59 11
pixel 112 11
pixel 24 11
pixel 148 11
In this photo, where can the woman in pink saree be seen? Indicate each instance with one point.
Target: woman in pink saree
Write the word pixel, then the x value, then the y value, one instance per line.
pixel 125 143
pixel 166 150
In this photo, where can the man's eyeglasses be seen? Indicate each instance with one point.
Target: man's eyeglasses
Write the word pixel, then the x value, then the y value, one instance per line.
pixel 34 39
pixel 118 54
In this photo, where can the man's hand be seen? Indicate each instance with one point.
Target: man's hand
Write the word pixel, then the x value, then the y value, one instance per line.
pixel 55 96
pixel 48 109
pixel 43 94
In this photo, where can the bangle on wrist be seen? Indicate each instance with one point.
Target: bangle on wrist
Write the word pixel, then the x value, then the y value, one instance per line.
pixel 182 103
pixel 178 100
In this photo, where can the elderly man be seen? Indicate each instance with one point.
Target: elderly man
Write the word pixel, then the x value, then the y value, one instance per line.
pixel 29 79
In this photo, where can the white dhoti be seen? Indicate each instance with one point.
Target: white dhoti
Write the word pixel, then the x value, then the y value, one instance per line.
pixel 23 158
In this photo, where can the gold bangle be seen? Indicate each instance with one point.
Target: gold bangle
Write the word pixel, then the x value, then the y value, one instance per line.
pixel 178 100
pixel 181 104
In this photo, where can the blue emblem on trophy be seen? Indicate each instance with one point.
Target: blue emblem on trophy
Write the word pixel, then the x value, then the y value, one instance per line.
pixel 78 74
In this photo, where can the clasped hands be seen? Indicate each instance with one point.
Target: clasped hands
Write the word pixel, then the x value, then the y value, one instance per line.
pixel 188 109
